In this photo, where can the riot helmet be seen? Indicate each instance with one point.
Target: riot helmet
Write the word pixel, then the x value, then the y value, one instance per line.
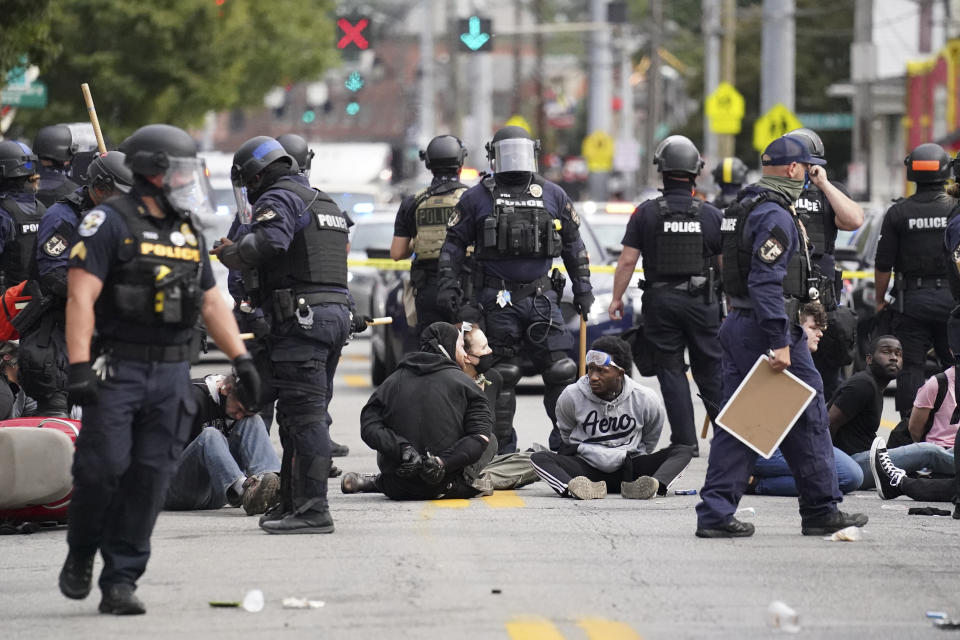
pixel 16 160
pixel 512 149
pixel 928 163
pixel 168 151
pixel 109 172
pixel 297 147
pixel 249 165
pixel 54 142
pixel 730 171
pixel 444 154
pixel 812 141
pixel 677 154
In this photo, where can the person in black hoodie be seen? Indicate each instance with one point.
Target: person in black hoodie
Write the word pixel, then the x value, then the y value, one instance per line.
pixel 430 424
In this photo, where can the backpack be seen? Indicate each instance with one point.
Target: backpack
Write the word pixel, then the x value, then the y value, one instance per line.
pixel 900 436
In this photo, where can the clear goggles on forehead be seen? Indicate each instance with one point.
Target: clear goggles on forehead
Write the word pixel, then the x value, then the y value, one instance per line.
pixel 601 359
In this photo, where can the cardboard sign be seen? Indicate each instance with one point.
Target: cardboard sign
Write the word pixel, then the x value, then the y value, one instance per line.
pixel 765 406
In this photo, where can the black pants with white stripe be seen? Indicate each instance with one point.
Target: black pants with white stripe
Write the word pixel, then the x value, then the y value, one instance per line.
pixel 665 465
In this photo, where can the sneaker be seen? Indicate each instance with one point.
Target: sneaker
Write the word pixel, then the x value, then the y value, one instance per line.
pixel 886 476
pixel 834 522
pixel 338 450
pixel 310 522
pixel 484 486
pixel 732 529
pixel 119 600
pixel 76 575
pixel 582 488
pixel 259 492
pixel 643 488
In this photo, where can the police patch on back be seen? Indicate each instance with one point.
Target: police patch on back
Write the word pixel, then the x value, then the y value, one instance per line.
pixel 55 246
pixel 91 222
pixel 770 250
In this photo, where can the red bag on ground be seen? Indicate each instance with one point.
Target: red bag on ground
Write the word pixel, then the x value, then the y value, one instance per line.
pixel 11 297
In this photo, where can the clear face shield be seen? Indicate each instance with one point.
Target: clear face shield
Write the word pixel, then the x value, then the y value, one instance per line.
pixel 186 187
pixel 514 154
pixel 244 211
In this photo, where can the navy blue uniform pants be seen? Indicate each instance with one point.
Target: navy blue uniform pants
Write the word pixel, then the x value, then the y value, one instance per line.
pixel 675 320
pixel 807 449
pixel 304 364
pixel 126 454
pixel 922 325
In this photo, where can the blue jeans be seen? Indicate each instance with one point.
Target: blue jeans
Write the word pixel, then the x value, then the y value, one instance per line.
pixel 212 463
pixel 773 478
pixel 910 457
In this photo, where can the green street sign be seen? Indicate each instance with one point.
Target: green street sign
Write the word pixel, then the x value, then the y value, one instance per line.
pixel 25 96
pixel 826 121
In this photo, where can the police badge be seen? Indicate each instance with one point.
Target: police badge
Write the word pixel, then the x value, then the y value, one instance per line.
pixel 770 250
pixel 536 190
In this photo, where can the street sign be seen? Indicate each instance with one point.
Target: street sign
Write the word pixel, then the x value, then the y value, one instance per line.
pixel 25 96
pixel 352 33
pixel 475 33
pixel 597 149
pixel 773 124
pixel 517 120
pixel 826 121
pixel 626 155
pixel 725 108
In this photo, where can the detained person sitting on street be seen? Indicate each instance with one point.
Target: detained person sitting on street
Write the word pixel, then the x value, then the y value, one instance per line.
pixel 430 424
pixel 14 403
pixel 609 427
pixel 228 458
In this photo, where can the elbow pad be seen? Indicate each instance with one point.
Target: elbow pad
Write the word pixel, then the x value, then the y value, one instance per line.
pixel 583 266
pixel 249 252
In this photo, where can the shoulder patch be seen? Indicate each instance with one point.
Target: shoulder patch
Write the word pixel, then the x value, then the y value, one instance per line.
pixel 454 218
pixel 266 214
pixel 91 222
pixel 770 250
pixel 79 250
pixel 55 246
pixel 573 213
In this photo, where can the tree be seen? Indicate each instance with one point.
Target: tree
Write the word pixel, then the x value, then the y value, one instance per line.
pixel 174 61
pixel 24 33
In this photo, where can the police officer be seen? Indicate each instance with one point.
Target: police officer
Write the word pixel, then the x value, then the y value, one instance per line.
pixel 294 260
pixel 824 207
pixel 518 222
pixel 729 174
pixel 678 236
pixel 20 212
pixel 297 147
pixel 421 223
pixel 911 244
pixel 55 147
pixel 138 273
pixel 43 349
pixel 766 267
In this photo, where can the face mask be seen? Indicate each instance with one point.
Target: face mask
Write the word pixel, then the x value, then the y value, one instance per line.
pixel 484 363
pixel 790 187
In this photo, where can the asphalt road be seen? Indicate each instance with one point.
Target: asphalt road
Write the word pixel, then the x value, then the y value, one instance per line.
pixel 518 565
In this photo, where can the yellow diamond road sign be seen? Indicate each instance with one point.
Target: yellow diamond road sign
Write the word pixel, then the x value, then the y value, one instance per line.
pixel 725 108
pixel 597 149
pixel 774 123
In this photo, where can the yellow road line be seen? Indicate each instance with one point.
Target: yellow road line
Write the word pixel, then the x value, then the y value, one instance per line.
pixel 504 500
pixel 356 381
pixel 601 629
pixel 355 357
pixel 888 424
pixel 451 504
pixel 533 629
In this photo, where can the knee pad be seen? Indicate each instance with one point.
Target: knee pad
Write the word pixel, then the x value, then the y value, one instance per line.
pixel 561 372
pixel 509 372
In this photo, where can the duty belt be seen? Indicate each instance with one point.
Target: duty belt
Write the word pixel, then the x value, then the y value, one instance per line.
pixel 519 290
pixel 687 286
pixel 923 282
pixel 148 352
pixel 319 297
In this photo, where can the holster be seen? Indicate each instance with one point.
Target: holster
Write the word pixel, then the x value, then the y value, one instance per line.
pixel 558 282
pixel 792 308
pixel 284 304
pixel 899 290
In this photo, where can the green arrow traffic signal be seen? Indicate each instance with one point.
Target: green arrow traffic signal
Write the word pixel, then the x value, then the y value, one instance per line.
pixel 475 33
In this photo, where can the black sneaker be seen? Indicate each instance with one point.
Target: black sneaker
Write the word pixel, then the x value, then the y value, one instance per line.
pixel 886 475
pixel 956 512
pixel 310 522
pixel 338 450
pixel 732 529
pixel 118 599
pixel 834 522
pixel 76 575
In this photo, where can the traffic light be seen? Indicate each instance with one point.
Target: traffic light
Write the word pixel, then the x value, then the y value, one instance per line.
pixel 475 33
pixel 352 30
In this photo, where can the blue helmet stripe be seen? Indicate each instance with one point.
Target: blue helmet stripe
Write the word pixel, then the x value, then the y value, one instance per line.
pixel 265 148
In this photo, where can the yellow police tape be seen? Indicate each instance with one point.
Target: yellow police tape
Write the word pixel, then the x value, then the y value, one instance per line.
pixel 385 264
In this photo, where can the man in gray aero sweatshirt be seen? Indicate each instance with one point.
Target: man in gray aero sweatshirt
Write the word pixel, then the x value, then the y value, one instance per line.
pixel 610 425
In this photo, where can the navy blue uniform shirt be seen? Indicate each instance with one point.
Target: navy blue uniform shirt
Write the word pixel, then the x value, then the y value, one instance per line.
pixel 58 228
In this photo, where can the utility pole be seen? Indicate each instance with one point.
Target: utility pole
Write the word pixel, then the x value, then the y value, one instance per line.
pixel 540 122
pixel 601 89
pixel 728 72
pixel 711 74
pixel 654 91
pixel 627 135
pixel 778 54
pixel 427 91
pixel 517 15
pixel 862 72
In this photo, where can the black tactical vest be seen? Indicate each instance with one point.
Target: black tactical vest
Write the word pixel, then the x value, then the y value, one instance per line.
pixel 160 284
pixel 520 226
pixel 920 250
pixel 19 250
pixel 434 207
pixel 677 248
pixel 318 253
pixel 738 251
pixel 811 207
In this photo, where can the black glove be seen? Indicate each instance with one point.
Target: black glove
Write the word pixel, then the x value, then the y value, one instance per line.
pixel 248 389
pixel 568 449
pixel 583 302
pixel 432 471
pixel 448 302
pixel 410 462
pixel 81 384
pixel 358 323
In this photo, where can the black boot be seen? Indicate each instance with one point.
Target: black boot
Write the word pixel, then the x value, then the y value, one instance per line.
pixel 353 482
pixel 119 600
pixel 338 450
pixel 308 484
pixel 76 575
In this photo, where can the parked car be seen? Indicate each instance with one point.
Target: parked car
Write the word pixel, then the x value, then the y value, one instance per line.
pixel 390 342
pixel 370 237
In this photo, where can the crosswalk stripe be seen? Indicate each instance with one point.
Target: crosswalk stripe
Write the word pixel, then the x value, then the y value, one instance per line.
pixel 601 629
pixel 356 380
pixel 533 629
pixel 504 500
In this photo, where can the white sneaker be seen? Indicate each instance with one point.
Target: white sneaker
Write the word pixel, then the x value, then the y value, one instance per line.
pixel 583 488
pixel 643 488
